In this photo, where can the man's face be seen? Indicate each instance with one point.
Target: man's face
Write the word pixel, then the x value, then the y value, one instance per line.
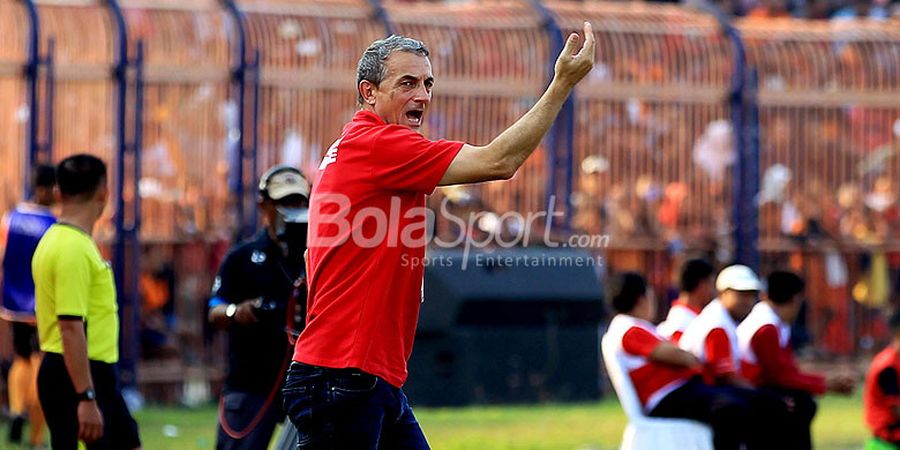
pixel 403 96
pixel 739 303
pixel 268 209
pixel 43 195
pixel 708 289
pixel 793 308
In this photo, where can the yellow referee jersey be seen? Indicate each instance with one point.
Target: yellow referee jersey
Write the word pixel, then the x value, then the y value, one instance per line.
pixel 71 278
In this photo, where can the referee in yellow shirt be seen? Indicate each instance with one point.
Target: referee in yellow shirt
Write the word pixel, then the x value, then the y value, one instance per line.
pixel 77 320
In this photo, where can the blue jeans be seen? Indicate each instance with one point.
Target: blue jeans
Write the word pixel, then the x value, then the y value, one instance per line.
pixel 347 409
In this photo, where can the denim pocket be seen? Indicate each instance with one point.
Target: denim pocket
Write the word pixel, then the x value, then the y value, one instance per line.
pixel 302 378
pixel 354 383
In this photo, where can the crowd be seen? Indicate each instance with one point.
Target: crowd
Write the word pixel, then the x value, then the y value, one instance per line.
pixel 812 9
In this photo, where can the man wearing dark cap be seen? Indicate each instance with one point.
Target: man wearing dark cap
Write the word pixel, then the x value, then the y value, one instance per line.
pixel 259 298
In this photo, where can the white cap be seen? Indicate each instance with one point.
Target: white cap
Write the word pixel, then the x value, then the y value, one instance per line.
pixel 282 181
pixel 738 278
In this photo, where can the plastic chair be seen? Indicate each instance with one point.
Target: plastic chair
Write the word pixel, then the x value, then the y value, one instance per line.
pixel 651 433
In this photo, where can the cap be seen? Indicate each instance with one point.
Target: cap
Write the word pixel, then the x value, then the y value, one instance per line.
pixel 738 278
pixel 282 181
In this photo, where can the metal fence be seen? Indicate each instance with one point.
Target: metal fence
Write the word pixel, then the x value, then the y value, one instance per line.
pixel 189 100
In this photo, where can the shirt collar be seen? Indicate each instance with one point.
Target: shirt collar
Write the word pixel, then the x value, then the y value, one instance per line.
pixel 366 116
pixel 685 304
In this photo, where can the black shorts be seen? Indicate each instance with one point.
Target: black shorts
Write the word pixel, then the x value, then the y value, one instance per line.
pixel 60 403
pixel 25 339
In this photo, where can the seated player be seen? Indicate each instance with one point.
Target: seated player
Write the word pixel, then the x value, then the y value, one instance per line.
pixel 764 339
pixel 696 285
pixel 712 336
pixel 665 377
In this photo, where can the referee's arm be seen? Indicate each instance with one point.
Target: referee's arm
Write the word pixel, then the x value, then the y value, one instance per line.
pixel 90 422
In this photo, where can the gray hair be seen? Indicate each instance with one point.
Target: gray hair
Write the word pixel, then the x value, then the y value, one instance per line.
pixel 371 65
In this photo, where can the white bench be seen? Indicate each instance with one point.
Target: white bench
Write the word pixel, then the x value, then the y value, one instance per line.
pixel 651 433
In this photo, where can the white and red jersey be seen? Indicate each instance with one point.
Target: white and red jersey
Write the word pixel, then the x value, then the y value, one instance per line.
pixel 635 339
pixel 680 316
pixel 767 357
pixel 712 338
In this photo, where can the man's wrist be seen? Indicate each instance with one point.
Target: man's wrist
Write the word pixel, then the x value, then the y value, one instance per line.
pixel 230 310
pixel 562 87
pixel 87 395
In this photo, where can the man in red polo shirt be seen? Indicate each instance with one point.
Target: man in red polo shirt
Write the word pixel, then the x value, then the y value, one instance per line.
pixel 764 339
pixel 881 397
pixel 367 240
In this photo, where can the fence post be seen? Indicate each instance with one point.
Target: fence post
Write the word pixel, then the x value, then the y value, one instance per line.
pixel 747 220
pixel 745 174
pixel 236 139
pixel 36 150
pixel 255 71
pixel 743 101
pixel 382 16
pixel 560 138
pixel 127 270
pixel 46 148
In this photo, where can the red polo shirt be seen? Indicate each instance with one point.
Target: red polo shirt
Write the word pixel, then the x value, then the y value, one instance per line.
pixel 882 394
pixel 367 241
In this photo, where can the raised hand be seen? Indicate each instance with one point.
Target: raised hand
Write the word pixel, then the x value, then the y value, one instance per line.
pixel 574 63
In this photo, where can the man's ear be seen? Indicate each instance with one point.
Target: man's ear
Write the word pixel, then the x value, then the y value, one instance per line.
pixel 102 194
pixel 367 90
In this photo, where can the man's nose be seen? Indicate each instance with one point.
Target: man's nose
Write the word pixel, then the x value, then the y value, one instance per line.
pixel 422 94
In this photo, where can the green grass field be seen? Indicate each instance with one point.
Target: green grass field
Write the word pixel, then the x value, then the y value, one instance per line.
pixel 597 426
pixel 593 426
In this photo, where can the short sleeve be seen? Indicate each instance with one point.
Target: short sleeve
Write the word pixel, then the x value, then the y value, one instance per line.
pixel 639 342
pixel 73 274
pixel 404 160
pixel 718 353
pixel 227 284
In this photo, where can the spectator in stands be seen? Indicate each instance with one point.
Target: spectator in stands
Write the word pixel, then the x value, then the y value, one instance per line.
pixel 697 290
pixel 768 9
pixel 667 379
pixel 20 232
pixel 764 339
pixel 873 9
pixel 259 289
pixel 881 397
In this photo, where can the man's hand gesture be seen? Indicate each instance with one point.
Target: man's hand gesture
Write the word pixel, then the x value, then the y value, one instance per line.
pixel 574 63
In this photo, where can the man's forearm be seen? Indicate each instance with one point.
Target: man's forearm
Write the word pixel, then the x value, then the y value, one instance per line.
pixel 75 354
pixel 512 147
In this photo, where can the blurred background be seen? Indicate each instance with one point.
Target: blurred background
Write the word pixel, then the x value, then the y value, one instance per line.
pixel 759 131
